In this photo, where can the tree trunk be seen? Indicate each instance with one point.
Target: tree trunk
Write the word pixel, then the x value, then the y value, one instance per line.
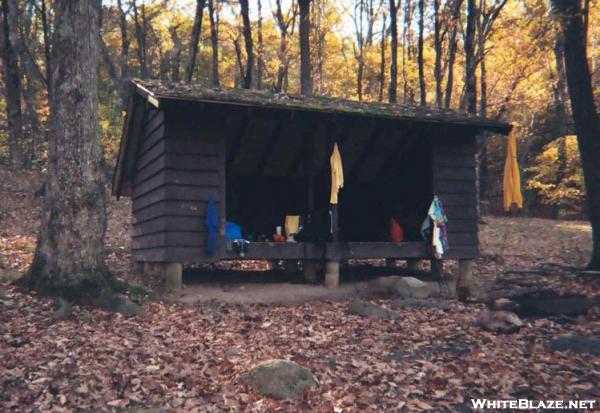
pixel 260 64
pixel 406 46
pixel 123 61
pixel 69 259
pixel 560 99
pixel 306 87
pixel 583 107
pixel 196 30
pixel 175 54
pixel 140 34
pixel 470 61
pixel 452 46
pixel 393 87
pixel 247 31
pixel 437 44
pixel 214 41
pixel 12 84
pixel 46 35
pixel 421 64
pixel 382 57
pixel 283 25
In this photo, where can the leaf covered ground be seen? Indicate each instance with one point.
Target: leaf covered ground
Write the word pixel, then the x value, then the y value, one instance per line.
pixel 194 358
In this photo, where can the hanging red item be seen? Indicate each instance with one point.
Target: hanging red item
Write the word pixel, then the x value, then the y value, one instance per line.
pixel 396 231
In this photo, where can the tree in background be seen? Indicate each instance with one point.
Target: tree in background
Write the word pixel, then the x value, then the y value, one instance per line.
pixel 585 115
pixel 247 31
pixel 306 86
pixel 195 38
pixel 12 83
pixel 393 87
pixel 69 259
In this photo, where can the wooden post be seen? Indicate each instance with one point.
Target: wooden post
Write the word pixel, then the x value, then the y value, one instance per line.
pixel 332 267
pixel 332 274
pixel 390 262
pixel 464 283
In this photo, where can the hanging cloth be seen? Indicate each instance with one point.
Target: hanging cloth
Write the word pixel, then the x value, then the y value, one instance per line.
pixel 434 226
pixel 512 179
pixel 337 174
pixel 292 225
pixel 212 224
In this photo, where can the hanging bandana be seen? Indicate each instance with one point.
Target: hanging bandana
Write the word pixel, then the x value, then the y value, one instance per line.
pixel 436 216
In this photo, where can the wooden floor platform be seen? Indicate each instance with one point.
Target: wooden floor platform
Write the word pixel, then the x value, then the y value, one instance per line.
pixel 344 250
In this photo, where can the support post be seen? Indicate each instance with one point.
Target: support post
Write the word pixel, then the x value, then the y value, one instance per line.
pixel 167 275
pixel 332 274
pixel 332 266
pixel 390 263
pixel 173 276
pixel 465 283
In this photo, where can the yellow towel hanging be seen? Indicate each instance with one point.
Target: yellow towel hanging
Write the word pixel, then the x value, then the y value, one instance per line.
pixel 512 178
pixel 337 174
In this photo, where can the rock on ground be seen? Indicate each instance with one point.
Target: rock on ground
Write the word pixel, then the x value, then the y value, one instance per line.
pixel 280 379
pixel 365 309
pixel 577 344
pixel 541 303
pixel 396 286
pixel 499 321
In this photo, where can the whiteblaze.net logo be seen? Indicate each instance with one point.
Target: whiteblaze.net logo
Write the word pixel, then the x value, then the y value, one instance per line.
pixel 526 404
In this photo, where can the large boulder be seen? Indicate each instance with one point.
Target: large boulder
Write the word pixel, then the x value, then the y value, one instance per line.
pixel 396 286
pixel 280 379
pixel 365 309
pixel 499 321
pixel 577 344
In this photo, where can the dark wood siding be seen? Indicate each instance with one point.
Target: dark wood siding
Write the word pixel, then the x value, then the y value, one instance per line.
pixel 175 177
pixel 454 180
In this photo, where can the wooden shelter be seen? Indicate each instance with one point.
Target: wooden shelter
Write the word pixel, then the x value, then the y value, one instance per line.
pixel 263 156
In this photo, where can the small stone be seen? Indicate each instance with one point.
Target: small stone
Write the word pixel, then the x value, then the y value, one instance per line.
pixel 577 344
pixel 499 321
pixel 280 379
pixel 371 310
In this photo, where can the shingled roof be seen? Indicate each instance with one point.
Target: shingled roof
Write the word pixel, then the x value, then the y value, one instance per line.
pixel 156 91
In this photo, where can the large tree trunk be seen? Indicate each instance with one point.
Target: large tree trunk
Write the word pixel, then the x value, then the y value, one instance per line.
pixel 213 14
pixel 393 87
pixel 306 87
pixel 470 61
pixel 69 259
pixel 583 107
pixel 420 59
pixel 12 83
pixel 196 30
